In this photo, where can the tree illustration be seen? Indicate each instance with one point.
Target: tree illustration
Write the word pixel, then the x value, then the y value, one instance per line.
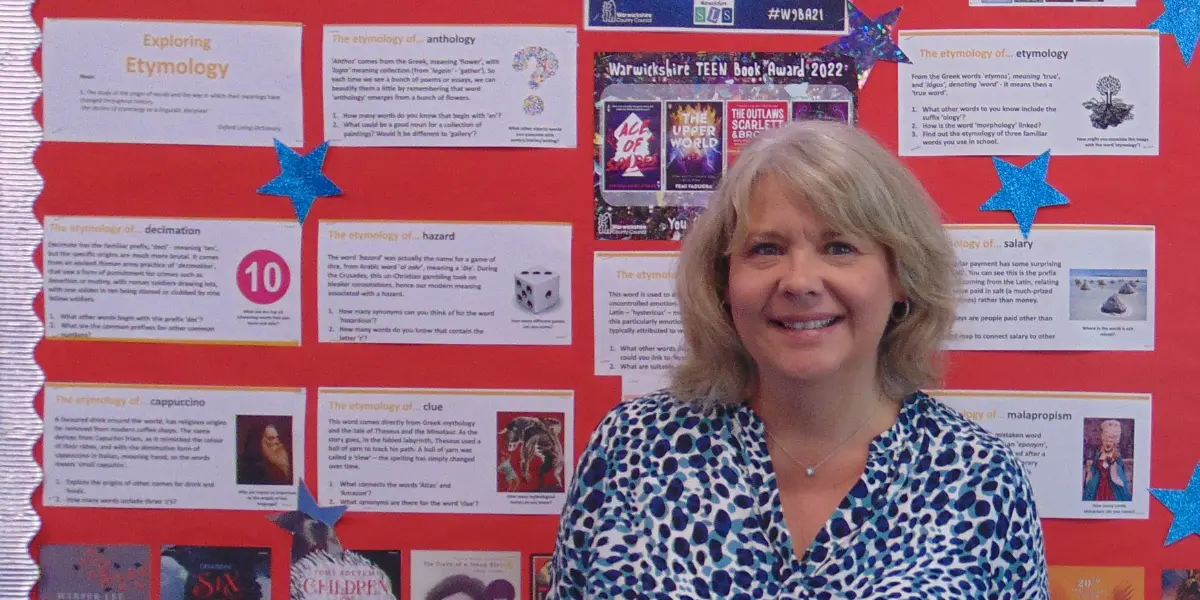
pixel 1109 111
pixel 1109 86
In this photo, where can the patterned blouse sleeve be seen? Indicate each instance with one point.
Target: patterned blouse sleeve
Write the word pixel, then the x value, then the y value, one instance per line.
pixel 582 516
pixel 1019 555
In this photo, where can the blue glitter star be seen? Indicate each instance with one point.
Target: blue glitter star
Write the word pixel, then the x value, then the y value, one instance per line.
pixel 301 178
pixel 869 40
pixel 328 515
pixel 1024 190
pixel 1182 20
pixel 1185 504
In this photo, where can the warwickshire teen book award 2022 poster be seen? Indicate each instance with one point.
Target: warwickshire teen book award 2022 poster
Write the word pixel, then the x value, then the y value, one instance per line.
pixel 668 125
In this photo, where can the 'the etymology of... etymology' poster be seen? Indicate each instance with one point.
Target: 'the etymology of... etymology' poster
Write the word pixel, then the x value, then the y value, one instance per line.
pixel 1022 92
pixel 669 125
pixel 779 17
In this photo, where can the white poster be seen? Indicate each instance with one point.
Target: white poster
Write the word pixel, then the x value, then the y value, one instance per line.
pixel 1054 3
pixel 426 282
pixel 172 82
pixel 450 85
pixel 638 328
pixel 148 446
pixel 445 450
pixel 1023 92
pixel 1067 287
pixel 220 281
pixel 1087 453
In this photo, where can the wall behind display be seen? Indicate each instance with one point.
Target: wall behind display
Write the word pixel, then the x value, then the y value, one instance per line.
pixel 482 184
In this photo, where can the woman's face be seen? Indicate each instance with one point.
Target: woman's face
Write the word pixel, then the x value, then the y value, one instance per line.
pixel 270 441
pixel 1109 440
pixel 808 303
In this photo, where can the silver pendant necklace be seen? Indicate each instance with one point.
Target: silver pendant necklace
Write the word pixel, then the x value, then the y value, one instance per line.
pixel 810 471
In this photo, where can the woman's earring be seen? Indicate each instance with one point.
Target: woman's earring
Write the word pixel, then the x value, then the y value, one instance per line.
pixel 898 316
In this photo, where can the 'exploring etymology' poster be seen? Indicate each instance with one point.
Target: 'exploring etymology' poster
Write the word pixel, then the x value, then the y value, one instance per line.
pixel 668 125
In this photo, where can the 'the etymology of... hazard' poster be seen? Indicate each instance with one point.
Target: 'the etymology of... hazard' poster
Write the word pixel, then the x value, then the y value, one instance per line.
pixel 668 125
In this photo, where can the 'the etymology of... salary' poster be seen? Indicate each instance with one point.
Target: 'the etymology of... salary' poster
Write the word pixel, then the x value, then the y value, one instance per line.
pixel 779 17
pixel 1087 453
pixel 1023 92
pixel 172 82
pixel 446 450
pixel 1067 287
pixel 440 282
pixel 450 86
pixel 668 125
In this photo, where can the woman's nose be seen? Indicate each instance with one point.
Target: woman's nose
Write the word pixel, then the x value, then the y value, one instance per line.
pixel 802 274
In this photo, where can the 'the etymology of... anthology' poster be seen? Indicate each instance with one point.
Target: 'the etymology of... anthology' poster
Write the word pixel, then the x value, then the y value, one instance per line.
pixel 668 125
pixel 151 446
pixel 638 328
pixel 1022 92
pixel 172 82
pixel 218 281
pixel 1067 287
pixel 450 86
pixel 719 16
pixel 440 282
pixel 446 450
pixel 1087 453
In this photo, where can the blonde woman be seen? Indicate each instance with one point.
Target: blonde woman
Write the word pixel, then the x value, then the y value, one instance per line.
pixel 795 455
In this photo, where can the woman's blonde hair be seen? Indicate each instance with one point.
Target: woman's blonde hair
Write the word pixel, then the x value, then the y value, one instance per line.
pixel 858 188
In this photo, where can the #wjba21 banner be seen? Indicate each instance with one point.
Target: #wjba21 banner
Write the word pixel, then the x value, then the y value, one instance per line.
pixel 725 16
pixel 668 126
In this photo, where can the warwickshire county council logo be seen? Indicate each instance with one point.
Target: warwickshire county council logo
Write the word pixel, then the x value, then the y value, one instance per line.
pixel 713 12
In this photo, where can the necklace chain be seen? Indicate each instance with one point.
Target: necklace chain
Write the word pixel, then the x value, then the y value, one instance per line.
pixel 811 471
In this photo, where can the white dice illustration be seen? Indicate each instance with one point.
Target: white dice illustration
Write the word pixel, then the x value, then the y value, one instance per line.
pixel 537 289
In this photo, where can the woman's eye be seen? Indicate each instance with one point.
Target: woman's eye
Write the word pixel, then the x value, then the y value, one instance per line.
pixel 765 248
pixel 840 248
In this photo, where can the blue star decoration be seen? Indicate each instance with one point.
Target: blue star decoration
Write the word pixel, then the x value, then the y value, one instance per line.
pixel 1185 504
pixel 869 40
pixel 301 178
pixel 1023 190
pixel 328 515
pixel 1182 20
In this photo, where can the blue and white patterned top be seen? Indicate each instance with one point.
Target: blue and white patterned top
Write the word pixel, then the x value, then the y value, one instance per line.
pixel 675 501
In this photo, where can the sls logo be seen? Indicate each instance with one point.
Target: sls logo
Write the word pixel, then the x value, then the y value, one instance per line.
pixel 713 12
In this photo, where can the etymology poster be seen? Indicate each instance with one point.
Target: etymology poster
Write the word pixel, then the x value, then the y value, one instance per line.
pixel 718 16
pixel 668 125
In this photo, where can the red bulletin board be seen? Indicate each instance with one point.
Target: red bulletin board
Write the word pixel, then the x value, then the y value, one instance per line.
pixel 494 184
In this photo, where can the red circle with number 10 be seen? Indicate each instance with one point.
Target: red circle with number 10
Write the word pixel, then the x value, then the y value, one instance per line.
pixel 263 277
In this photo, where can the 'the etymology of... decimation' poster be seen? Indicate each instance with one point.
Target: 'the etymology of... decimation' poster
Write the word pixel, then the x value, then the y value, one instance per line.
pixel 668 125
pixel 718 16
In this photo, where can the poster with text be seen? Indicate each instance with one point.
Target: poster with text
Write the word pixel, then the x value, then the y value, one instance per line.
pixel 454 574
pixel 450 85
pixel 218 281
pixel 1095 582
pixel 718 16
pixel 426 282
pixel 146 446
pixel 668 126
pixel 637 320
pixel 172 82
pixel 1087 453
pixel 446 450
pixel 1054 3
pixel 1022 92
pixel 319 574
pixel 1066 287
